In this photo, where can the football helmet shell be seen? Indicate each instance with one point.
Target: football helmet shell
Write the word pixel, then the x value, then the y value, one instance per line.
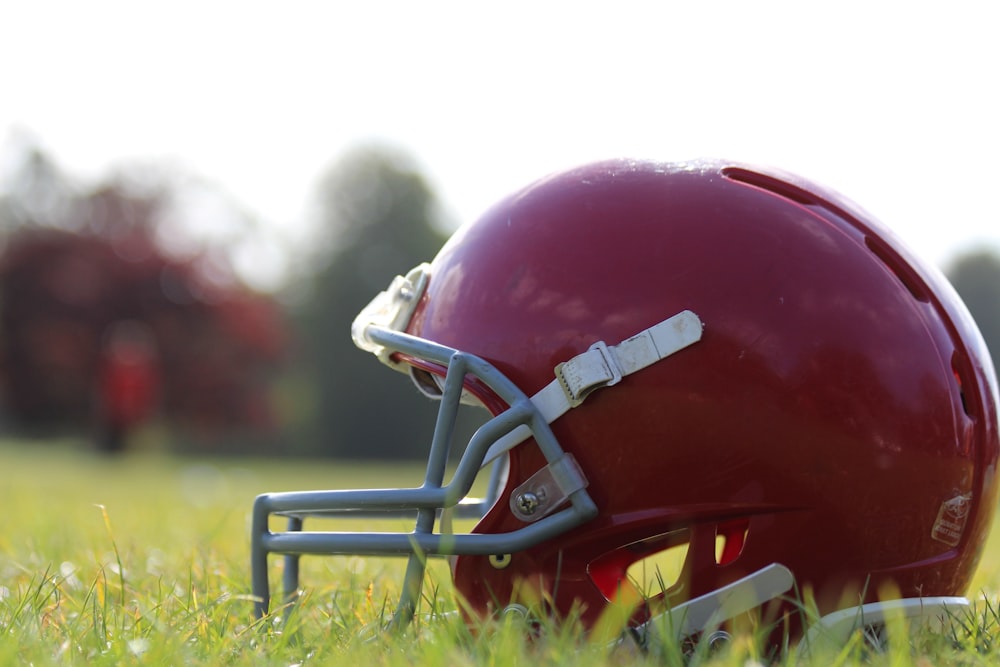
pixel 831 407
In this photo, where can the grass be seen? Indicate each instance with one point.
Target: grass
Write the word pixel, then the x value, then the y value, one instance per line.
pixel 144 560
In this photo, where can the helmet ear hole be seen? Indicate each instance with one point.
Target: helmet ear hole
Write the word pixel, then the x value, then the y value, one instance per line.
pixel 730 538
pixel 656 574
pixel 651 567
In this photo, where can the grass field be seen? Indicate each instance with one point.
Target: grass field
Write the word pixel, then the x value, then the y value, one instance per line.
pixel 144 560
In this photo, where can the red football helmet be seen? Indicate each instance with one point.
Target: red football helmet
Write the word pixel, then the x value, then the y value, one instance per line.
pixel 718 357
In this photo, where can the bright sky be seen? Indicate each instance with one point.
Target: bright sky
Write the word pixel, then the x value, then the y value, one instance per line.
pixel 895 104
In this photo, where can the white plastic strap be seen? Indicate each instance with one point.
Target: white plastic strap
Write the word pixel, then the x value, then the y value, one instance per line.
pixel 603 366
pixel 709 611
pixel 391 309
pixel 834 629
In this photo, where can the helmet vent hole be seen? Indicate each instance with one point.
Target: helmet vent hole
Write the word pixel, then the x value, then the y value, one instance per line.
pixel 899 268
pixel 961 392
pixel 772 184
pixel 730 538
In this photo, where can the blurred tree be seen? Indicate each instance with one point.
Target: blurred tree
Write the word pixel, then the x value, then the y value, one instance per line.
pixel 378 219
pixel 976 277
pixel 99 326
pixel 37 192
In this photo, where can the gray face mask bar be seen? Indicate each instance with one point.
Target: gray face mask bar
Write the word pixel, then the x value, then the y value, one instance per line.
pixel 428 501
pixel 551 502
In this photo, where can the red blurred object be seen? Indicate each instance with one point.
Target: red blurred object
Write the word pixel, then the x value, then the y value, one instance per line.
pixel 89 333
pixel 129 382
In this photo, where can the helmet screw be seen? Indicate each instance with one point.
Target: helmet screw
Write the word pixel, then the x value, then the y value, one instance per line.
pixel 528 503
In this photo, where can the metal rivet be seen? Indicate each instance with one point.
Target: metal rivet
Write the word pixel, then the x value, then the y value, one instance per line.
pixel 515 611
pixel 500 561
pixel 718 639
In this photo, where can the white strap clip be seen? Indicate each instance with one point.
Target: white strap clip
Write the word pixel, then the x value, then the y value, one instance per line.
pixel 595 368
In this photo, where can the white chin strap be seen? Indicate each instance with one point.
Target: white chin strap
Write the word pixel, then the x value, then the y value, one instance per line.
pixel 707 613
pixel 832 632
pixel 602 366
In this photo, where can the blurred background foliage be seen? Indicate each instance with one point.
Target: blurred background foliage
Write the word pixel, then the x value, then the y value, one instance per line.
pixel 124 314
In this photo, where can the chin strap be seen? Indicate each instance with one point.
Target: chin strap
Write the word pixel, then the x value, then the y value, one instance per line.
pixel 831 632
pixel 707 612
pixel 603 365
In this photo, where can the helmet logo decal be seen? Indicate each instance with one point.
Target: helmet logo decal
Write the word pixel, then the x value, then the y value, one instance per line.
pixel 951 518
